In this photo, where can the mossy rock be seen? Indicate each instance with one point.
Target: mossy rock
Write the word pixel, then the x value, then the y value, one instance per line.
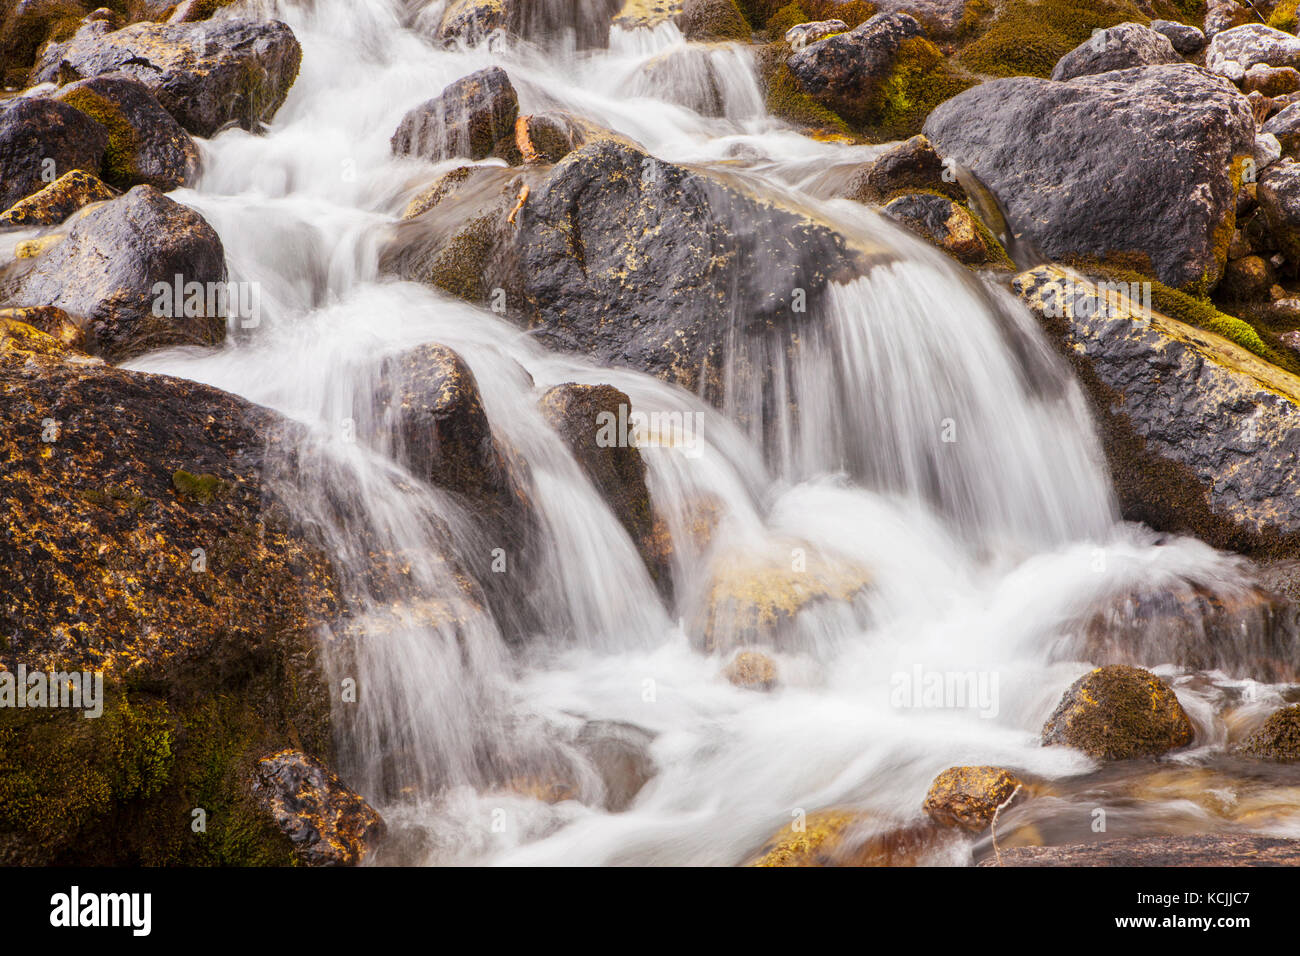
pixel 1117 713
pixel 785 100
pixel 57 201
pixel 844 837
pixel 969 797
pixel 1028 37
pixel 1279 738
pixel 713 20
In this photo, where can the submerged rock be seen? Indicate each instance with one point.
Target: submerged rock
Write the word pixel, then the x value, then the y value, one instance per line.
pixel 582 416
pixel 969 797
pixel 1117 713
pixel 1279 737
pixel 751 669
pixel 1117 48
pixel 42 140
pixel 1141 163
pixel 468 118
pixel 328 824
pixel 57 201
pixel 105 271
pixel 207 75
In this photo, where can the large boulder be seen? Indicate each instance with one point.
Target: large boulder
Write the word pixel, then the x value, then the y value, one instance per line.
pixel 208 75
pixel 468 118
pixel 116 273
pixel 948 225
pixel 1201 435
pixel 713 20
pixel 1142 163
pixel 145 144
pixel 616 468
pixel 1232 52
pixel 144 536
pixel 40 141
pixel 942 19
pixel 1118 48
pixel 1117 713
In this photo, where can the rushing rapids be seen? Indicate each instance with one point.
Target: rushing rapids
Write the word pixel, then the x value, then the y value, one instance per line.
pixel 939 447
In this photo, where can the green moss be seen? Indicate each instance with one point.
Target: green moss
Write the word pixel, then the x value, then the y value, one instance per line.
pixel 786 100
pixel 1283 16
pixel 460 267
pixel 119 158
pixel 792 14
pixel 1030 36
pixel 204 489
pixel 921 79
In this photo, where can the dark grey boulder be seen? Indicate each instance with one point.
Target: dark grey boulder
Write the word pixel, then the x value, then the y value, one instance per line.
pixel 1136 162
pixel 40 141
pixel 208 75
pixel 1120 47
pixel 468 118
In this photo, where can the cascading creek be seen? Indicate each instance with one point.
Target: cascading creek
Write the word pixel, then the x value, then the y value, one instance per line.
pixel 900 476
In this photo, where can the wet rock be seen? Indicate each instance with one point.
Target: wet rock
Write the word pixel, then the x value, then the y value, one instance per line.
pixel 881 75
pixel 1279 737
pixel 328 824
pixel 468 118
pixel 41 140
pixel 549 137
pixel 1117 48
pixel 25 27
pixel 911 166
pixel 109 270
pixel 1078 195
pixel 472 21
pixel 758 600
pixel 51 321
pixel 202 617
pixel 621 755
pixel 946 224
pixel 801 34
pixel 207 75
pixel 1118 713
pixel 712 20
pixel 1200 434
pixel 753 670
pixel 146 146
pixel 1174 851
pixel 1232 52
pixel 685 75
pixel 968 797
pixel 843 837
pixel 57 201
pixel 1184 38
pixel 586 417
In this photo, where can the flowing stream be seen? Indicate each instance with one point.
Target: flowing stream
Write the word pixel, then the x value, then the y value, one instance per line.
pixel 940 447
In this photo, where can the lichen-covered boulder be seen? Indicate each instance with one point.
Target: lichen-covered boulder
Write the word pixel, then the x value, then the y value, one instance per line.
pixel 41 140
pixel 752 670
pixel 327 823
pixel 1186 39
pixel 57 201
pixel 107 273
pixel 1222 15
pixel 550 136
pixel 708 20
pixel 969 797
pixel 584 417
pixel 1279 737
pixel 200 611
pixel 145 144
pixel 910 166
pixel 1142 163
pixel 947 225
pixel 207 75
pixel 472 21
pixel 468 118
pixel 884 76
pixel 1232 52
pixel 1200 433
pixel 1117 48
pixel 844 837
pixel 644 14
pixel 1117 713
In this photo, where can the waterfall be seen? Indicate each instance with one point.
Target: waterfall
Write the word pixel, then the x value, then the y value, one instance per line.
pixel 924 431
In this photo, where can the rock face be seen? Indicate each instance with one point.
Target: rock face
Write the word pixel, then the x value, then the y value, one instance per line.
pixel 1117 713
pixel 1233 52
pixel 1105 165
pixel 1200 434
pixel 146 146
pixel 1279 738
pixel 107 273
pixel 1185 39
pixel 199 609
pixel 207 74
pixel 582 415
pixel 468 118
pixel 1118 48
pixel 57 201
pixel 968 797
pixel 41 140
pixel 1176 851
pixel 328 824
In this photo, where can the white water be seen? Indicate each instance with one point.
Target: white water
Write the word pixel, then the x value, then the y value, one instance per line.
pixel 983 550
